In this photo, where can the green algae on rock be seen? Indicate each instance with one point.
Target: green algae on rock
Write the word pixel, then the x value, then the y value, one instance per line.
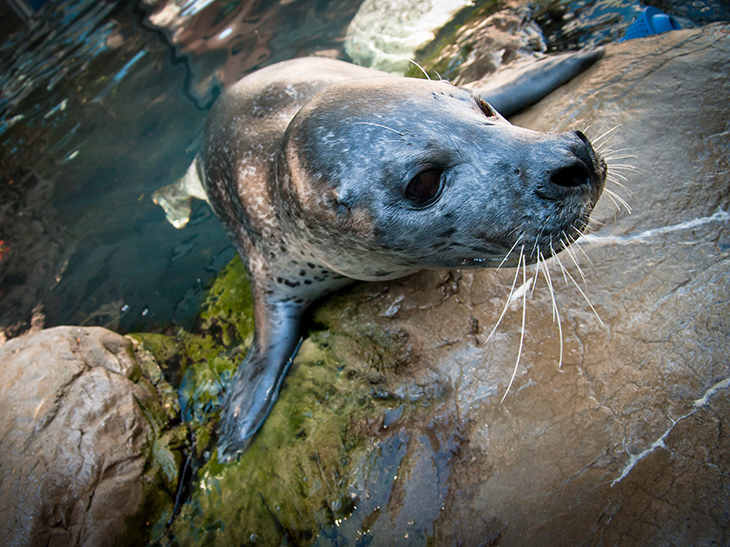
pixel 333 437
pixel 203 361
pixel 326 464
pixel 294 478
pixel 164 452
pixel 228 308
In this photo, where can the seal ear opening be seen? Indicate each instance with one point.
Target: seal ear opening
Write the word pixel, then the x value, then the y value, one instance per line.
pixel 488 111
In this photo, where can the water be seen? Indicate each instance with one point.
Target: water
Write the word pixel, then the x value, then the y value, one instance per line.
pixel 99 109
pixel 582 23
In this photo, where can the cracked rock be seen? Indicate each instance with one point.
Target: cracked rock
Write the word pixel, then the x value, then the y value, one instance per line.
pixel 78 417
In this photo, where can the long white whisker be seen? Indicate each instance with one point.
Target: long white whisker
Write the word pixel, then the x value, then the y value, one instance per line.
pixel 537 272
pixel 624 166
pixel 613 176
pixel 583 294
pixel 383 126
pixel 422 70
pixel 522 333
pixel 609 156
pixel 605 135
pixel 620 184
pixel 572 257
pixel 509 252
pixel 509 299
pixel 556 312
pixel 575 242
pixel 557 258
pixel 589 228
pixel 593 138
pixel 610 196
pixel 621 169
pixel 615 197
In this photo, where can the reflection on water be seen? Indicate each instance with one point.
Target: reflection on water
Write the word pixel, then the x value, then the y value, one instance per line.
pixel 61 46
pixel 98 109
pixel 224 40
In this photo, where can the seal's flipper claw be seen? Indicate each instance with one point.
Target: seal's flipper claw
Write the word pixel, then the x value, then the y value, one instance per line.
pixel 512 90
pixel 255 385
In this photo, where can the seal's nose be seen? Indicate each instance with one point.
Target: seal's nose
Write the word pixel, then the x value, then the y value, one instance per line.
pixel 571 171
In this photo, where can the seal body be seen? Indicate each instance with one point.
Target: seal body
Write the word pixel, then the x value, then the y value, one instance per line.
pixel 324 173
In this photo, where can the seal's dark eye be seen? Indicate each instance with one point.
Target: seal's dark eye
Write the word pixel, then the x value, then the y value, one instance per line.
pixel 424 186
pixel 488 110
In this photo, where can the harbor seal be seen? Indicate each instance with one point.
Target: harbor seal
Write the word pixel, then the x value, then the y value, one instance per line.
pixel 324 173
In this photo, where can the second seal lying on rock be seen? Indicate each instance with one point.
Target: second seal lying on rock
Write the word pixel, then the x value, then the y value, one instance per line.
pixel 324 173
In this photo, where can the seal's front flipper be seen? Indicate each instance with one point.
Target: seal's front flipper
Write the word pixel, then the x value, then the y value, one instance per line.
pixel 255 385
pixel 176 198
pixel 512 90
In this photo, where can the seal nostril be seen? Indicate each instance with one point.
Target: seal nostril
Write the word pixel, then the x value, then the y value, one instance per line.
pixel 571 176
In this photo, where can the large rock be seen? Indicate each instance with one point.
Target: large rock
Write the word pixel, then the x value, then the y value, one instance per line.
pixel 84 458
pixel 625 443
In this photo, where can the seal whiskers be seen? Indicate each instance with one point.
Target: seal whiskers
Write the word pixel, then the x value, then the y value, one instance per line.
pixel 556 311
pixel 568 247
pixel 517 241
pixel 509 297
pixel 423 70
pixel 577 286
pixel 523 267
pixel 610 156
pixel 617 200
pixel 381 125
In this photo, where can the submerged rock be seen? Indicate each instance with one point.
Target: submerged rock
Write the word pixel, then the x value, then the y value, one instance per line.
pixel 385 34
pixel 34 247
pixel 389 427
pixel 87 453
pixel 482 45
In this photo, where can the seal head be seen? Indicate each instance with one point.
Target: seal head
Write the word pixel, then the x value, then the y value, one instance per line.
pixel 415 174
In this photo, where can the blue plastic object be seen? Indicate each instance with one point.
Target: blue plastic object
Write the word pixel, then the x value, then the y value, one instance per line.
pixel 651 21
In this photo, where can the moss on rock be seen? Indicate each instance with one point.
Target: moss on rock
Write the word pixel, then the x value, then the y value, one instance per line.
pixel 293 479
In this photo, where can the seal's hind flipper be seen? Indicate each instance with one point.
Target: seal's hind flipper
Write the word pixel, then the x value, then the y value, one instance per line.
pixel 255 385
pixel 512 90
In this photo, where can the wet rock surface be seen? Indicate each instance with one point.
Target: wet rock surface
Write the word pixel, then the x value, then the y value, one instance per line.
pixel 87 454
pixel 389 428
